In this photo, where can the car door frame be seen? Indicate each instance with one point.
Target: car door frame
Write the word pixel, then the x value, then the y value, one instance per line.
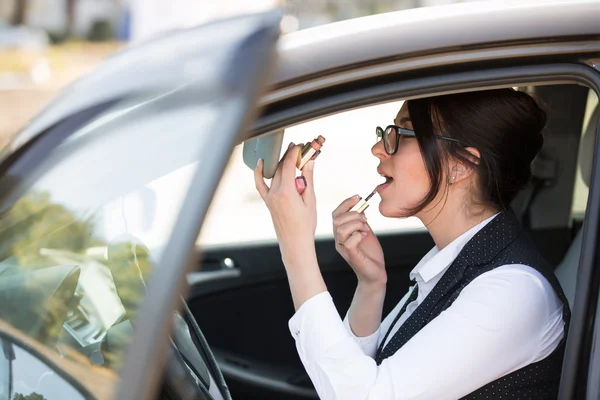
pixel 248 74
pixel 237 276
pixel 473 76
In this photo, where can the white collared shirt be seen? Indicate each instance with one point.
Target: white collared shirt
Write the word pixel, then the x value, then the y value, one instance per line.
pixel 502 321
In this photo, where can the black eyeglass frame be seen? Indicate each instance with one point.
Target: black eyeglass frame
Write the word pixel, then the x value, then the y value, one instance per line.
pixel 403 132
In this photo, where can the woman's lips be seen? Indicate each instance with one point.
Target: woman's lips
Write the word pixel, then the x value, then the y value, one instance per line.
pixel 385 184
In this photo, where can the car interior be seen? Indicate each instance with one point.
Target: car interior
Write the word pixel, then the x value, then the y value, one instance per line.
pixel 239 294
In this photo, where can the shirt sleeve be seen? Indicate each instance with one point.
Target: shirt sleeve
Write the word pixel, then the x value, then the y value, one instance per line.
pixel 493 328
pixel 368 344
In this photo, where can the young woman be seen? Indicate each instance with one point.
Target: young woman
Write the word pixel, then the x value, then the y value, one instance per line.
pixel 486 318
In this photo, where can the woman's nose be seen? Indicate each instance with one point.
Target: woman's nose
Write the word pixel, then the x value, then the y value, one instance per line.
pixel 378 150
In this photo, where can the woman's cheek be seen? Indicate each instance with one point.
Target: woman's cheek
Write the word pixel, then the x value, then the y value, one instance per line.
pixel 397 200
pixel 410 186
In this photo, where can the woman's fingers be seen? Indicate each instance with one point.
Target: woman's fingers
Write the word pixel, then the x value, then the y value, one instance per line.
pixel 346 205
pixel 345 231
pixel 278 171
pixel 347 217
pixel 289 163
pixel 308 195
pixel 286 169
pixel 354 240
pixel 259 180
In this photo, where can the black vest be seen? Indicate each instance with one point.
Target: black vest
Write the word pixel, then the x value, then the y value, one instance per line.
pixel 502 241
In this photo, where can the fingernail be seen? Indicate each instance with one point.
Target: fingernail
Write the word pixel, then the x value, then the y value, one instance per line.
pixel 364 216
pixel 364 233
pixel 367 227
pixel 291 145
pixel 300 184
pixel 258 161
pixel 310 165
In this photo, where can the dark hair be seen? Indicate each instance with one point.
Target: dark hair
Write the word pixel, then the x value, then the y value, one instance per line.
pixel 504 125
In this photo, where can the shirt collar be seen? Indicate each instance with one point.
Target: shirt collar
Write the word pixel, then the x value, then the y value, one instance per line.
pixel 437 261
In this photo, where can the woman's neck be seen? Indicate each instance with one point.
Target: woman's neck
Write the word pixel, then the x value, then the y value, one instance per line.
pixel 449 223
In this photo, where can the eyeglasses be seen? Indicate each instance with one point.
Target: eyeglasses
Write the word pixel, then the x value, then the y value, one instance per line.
pixel 391 142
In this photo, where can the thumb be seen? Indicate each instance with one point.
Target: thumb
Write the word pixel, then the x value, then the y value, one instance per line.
pixel 307 173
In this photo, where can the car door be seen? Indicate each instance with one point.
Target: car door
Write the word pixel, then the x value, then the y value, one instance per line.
pixel 103 195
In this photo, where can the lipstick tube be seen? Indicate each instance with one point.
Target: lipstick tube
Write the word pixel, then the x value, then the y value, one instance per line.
pixel 310 151
pixel 362 205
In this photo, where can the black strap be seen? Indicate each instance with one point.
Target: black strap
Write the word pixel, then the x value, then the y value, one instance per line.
pixel 411 298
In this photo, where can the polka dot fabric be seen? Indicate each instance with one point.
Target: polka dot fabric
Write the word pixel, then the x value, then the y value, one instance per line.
pixel 499 243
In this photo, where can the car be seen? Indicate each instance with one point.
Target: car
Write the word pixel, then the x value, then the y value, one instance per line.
pixel 138 262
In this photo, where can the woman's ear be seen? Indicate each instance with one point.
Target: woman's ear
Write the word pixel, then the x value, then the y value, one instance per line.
pixel 459 170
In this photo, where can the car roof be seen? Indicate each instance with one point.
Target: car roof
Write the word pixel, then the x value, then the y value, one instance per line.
pixel 341 45
pixel 430 30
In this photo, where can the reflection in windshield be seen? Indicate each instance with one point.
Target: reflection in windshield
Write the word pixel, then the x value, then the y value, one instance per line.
pixel 33 282
pixel 82 236
pixel 55 284
pixel 64 285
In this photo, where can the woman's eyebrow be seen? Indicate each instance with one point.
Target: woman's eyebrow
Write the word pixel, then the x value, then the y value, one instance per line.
pixel 402 120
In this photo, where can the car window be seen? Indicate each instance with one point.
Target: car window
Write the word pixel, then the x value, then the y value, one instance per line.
pixel 344 168
pixel 580 193
pixel 83 232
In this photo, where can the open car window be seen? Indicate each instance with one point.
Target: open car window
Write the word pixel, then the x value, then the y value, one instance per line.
pixel 344 168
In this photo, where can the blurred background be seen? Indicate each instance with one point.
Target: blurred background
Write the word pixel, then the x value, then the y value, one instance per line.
pixel 46 44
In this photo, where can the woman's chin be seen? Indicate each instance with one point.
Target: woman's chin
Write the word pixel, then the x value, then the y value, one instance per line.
pixel 392 210
pixel 386 210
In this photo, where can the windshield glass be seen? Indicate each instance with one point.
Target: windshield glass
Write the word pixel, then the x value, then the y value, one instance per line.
pixel 84 231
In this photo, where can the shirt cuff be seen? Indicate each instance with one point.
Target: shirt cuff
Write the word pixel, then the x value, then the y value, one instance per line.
pixel 317 326
pixel 368 344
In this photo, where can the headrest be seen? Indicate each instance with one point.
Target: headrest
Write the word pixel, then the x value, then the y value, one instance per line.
pixel 587 147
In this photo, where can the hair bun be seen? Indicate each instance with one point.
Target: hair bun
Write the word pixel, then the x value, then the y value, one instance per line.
pixel 504 125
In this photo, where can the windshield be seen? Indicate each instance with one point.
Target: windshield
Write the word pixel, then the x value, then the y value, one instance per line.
pixel 87 227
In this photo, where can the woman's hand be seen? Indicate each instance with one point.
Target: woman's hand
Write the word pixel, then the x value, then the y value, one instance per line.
pixel 357 244
pixel 294 215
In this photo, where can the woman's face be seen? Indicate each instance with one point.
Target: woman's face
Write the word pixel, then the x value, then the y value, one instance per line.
pixel 407 181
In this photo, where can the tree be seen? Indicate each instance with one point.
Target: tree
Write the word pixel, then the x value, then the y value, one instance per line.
pixel 20 12
pixel 32 396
